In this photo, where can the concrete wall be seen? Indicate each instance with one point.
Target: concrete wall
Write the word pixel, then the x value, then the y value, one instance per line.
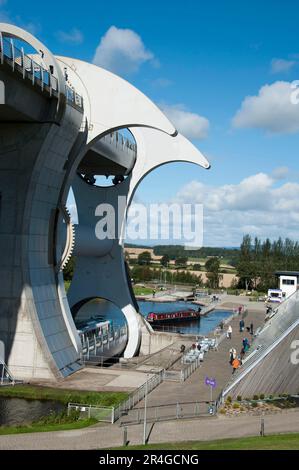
pixel 32 161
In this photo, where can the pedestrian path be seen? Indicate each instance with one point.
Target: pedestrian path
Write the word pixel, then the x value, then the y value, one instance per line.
pixel 107 437
pixel 216 365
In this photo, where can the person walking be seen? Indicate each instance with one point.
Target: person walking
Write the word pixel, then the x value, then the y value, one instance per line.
pixel 236 364
pixel 251 328
pixel 232 355
pixel 229 332
pixel 242 325
pixel 246 344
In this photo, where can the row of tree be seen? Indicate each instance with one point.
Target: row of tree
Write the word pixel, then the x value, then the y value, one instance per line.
pixel 179 251
pixel 144 273
pixel 145 258
pixel 147 274
pixel 259 260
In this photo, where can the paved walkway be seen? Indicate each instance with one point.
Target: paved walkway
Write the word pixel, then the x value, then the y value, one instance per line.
pixel 205 429
pixel 216 365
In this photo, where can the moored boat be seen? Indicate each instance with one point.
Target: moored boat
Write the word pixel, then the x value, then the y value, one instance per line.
pixel 170 317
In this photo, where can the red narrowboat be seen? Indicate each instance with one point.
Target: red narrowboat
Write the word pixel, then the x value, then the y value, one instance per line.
pixel 169 317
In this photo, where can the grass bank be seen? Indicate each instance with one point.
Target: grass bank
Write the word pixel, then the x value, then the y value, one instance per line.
pixel 57 421
pixel 34 392
pixel 271 442
pixel 142 290
pixel 42 427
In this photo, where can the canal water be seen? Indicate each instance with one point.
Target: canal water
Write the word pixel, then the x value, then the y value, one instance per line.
pixel 205 325
pixel 105 309
pixel 17 411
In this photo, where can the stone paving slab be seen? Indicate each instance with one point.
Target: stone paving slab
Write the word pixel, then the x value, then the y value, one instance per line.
pixel 101 380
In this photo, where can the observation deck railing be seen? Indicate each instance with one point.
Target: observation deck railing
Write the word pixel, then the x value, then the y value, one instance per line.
pixel 36 73
pixel 119 141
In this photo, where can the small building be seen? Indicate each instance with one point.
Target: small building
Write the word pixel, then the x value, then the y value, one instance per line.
pixel 288 282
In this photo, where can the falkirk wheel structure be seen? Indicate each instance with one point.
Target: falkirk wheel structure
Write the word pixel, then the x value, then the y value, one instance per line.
pixel 59 119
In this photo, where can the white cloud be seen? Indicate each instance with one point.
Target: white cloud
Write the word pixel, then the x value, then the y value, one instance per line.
pixel 191 125
pixel 255 205
pixel 282 65
pixel 122 51
pixel 74 36
pixel 271 110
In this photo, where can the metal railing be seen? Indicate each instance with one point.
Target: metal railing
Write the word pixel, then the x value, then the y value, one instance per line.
pixel 100 413
pixel 118 140
pixel 100 342
pixel 6 377
pixel 36 73
pixel 73 97
pixel 190 368
pixel 138 395
pixel 22 63
pixel 274 331
pixel 169 412
pixel 112 414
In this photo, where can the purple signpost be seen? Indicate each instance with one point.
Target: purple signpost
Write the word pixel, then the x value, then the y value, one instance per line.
pixel 212 384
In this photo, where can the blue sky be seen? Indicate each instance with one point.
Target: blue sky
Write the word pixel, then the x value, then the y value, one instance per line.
pixel 203 58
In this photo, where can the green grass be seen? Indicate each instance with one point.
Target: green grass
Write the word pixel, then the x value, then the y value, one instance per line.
pixel 142 290
pixel 60 421
pixel 271 442
pixel 34 392
pixel 39 427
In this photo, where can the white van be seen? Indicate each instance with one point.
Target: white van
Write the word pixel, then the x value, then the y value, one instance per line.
pixel 276 295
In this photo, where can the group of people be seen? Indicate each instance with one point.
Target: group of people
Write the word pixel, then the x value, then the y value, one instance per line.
pixel 235 360
pixel 248 328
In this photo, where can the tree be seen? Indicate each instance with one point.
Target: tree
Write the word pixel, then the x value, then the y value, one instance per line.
pixel 245 268
pixel 181 261
pixel 165 260
pixel 144 258
pixel 196 267
pixel 213 267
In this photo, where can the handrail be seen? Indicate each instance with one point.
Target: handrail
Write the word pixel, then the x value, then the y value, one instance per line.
pixel 274 331
pixel 21 62
pixel 27 66
pixel 119 140
pixel 6 375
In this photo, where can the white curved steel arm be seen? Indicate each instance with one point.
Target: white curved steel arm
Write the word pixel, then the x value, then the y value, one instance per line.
pixel 111 102
pixel 156 149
